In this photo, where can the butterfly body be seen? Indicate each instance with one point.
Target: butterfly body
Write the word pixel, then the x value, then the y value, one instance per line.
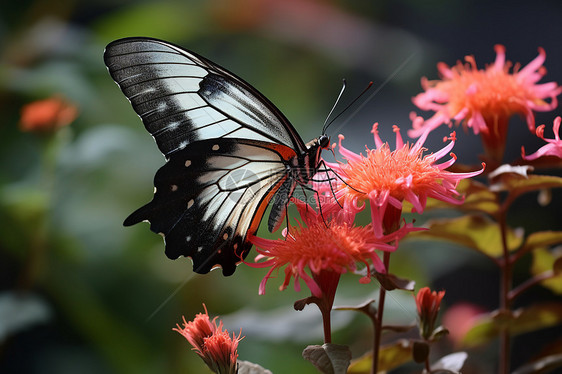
pixel 229 151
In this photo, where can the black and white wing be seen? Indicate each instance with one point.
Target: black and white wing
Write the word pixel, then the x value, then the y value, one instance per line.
pixel 182 97
pixel 210 196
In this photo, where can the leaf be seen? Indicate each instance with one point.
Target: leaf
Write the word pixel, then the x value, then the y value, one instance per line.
pixel 391 282
pixel 478 197
pixel 390 357
pixel 521 321
pixel 543 365
pixel 246 367
pixel 472 231
pixel 545 260
pixel 542 239
pixel 439 333
pixel 328 358
pixel 452 362
pixel 517 185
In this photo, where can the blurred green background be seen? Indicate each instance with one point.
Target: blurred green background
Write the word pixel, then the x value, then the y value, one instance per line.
pixel 81 294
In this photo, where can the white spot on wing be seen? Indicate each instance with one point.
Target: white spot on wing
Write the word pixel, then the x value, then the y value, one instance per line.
pixel 215 147
pixel 190 203
pixel 174 187
pixel 188 238
pixel 187 163
pixel 199 249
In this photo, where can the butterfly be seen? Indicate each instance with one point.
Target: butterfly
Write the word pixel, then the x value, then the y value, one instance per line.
pixel 229 151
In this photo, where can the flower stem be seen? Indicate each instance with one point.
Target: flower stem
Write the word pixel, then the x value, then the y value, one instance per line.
pixel 378 320
pixel 327 325
pixel 505 302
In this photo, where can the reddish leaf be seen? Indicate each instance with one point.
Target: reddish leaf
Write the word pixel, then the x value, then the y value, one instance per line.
pixel 391 282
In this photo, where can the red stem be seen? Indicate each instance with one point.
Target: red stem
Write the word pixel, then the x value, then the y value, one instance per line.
pixel 505 302
pixel 378 320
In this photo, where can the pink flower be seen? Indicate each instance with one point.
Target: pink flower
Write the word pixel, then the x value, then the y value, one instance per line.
pixel 554 146
pixel 318 253
pixel 485 99
pixel 211 342
pixel 387 178
pixel 428 304
pixel 459 319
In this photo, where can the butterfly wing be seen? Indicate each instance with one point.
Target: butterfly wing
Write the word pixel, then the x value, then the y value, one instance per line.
pixel 182 97
pixel 210 195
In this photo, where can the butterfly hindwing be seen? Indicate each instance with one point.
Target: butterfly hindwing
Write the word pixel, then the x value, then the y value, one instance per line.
pixel 210 195
pixel 182 97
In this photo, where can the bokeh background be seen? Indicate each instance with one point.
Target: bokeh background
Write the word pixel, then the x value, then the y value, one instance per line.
pixel 81 293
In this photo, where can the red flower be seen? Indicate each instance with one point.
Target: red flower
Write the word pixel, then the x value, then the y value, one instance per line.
pixel 211 342
pixel 428 304
pixel 554 146
pixel 386 178
pixel 47 115
pixel 321 251
pixel 485 99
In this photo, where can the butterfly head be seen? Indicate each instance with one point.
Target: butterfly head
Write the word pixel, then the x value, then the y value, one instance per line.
pixel 324 141
pixel 315 147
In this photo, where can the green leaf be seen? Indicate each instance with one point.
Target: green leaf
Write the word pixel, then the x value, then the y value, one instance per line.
pixel 545 260
pixel 478 197
pixel 521 321
pixel 517 185
pixel 390 357
pixel 542 239
pixel 328 358
pixel 472 231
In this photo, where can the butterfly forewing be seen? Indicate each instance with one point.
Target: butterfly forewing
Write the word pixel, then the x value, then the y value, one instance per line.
pixel 182 97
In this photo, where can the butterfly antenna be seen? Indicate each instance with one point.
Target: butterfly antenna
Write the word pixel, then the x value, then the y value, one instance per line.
pixel 326 125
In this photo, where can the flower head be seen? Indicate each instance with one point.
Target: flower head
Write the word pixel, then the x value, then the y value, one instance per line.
pixel 211 342
pixel 388 177
pixel 485 99
pixel 428 304
pixel 554 146
pixel 47 115
pixel 321 251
